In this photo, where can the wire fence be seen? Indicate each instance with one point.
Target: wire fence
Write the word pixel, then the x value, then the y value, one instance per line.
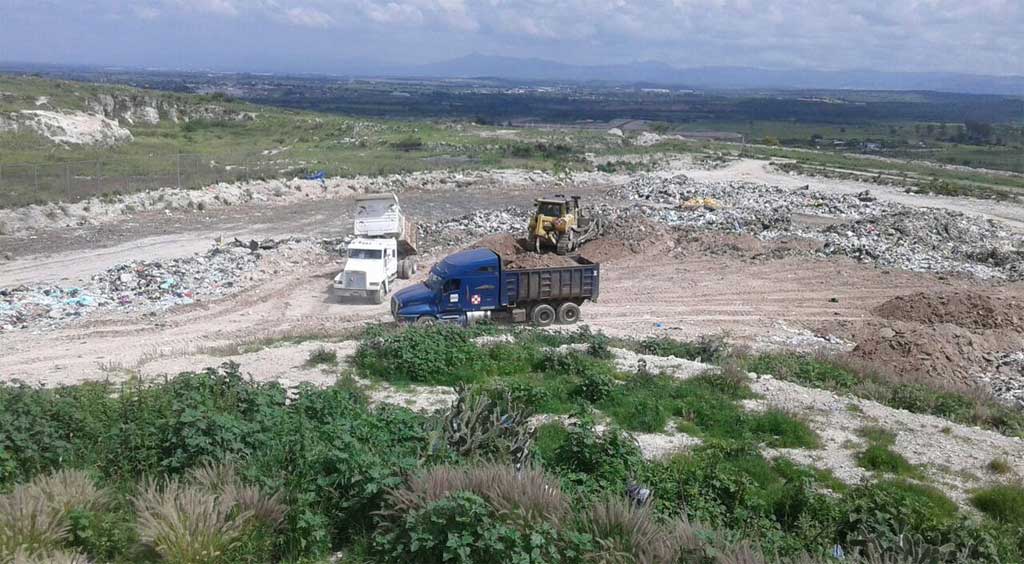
pixel 25 184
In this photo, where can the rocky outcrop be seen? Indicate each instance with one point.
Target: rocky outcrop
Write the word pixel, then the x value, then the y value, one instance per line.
pixel 149 109
pixel 67 128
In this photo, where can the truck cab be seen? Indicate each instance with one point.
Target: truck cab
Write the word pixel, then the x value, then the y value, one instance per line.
pixel 371 267
pixel 461 284
pixel 382 251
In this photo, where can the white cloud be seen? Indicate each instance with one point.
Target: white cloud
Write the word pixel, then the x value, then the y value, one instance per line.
pixel 394 13
pixel 219 7
pixel 309 17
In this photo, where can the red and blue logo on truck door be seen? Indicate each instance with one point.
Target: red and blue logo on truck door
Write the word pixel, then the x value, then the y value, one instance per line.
pixel 475 299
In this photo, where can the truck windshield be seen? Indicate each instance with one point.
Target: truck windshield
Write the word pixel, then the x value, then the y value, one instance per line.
pixel 434 281
pixel 364 253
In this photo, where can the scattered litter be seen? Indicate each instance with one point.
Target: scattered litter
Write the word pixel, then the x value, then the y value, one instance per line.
pixel 153 285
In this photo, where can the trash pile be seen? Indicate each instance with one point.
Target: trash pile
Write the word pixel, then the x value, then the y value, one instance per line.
pixel 178 281
pixel 863 228
pixel 1007 382
pixel 467 228
pixel 23 305
pixel 153 285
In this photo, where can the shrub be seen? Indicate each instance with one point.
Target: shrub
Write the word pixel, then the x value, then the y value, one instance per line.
pixel 440 355
pixel 322 356
pixel 593 461
pixel 43 429
pixel 595 387
pixel 336 457
pixel 710 349
pixel 880 458
pixel 639 413
pixel 999 466
pixel 819 372
pixel 731 485
pixel 781 430
pixel 1003 502
pixel 476 427
pixel 882 513
pixel 463 528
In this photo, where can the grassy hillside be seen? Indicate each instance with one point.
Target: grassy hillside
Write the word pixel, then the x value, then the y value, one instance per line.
pixel 275 142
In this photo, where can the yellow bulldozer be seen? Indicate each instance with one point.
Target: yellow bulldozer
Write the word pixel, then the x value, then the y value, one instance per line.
pixel 560 222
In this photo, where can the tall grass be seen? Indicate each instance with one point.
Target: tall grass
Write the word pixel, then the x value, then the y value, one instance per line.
pixel 187 525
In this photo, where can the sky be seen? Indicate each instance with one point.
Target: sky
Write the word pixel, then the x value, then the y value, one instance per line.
pixel 335 36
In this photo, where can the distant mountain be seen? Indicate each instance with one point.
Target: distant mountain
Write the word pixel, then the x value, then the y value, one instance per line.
pixel 477 65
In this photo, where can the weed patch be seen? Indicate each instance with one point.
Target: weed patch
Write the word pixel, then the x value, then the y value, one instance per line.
pixel 843 376
pixel 1004 503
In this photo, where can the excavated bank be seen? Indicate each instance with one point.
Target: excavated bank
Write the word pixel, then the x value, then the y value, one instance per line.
pixel 970 310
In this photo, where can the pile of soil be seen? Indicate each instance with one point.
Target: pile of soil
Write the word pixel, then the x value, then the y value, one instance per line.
pixel 515 254
pixel 970 310
pixel 941 353
pixel 958 337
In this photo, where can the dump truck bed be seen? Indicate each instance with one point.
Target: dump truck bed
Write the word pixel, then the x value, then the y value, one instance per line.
pixel 379 215
pixel 561 283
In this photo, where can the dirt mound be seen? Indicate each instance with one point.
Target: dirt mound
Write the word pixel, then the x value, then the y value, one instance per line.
pixel 970 310
pixel 515 256
pixel 716 243
pixel 938 353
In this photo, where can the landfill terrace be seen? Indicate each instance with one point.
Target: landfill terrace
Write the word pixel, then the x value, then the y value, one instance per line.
pixel 779 368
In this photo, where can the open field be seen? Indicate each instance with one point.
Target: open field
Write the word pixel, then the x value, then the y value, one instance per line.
pixel 804 361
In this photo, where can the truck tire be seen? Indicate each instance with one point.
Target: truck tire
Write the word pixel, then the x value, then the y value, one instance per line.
pixel 378 296
pixel 542 315
pixel 412 267
pixel 568 313
pixel 425 320
pixel 403 269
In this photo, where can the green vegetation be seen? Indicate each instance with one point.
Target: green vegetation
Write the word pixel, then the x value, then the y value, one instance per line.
pixel 291 140
pixel 277 142
pixel 322 356
pixel 836 374
pixel 1003 502
pixel 264 475
pixel 999 466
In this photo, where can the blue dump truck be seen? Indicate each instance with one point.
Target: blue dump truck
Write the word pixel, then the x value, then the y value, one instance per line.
pixel 473 285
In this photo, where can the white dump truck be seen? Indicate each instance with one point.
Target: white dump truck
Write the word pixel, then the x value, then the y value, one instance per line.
pixel 382 251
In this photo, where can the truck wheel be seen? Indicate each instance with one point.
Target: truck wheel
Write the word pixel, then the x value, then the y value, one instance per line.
pixel 411 270
pixel 403 269
pixel 542 315
pixel 425 320
pixel 568 313
pixel 378 296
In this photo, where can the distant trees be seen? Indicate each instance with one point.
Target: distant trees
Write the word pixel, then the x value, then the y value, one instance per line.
pixel 978 130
